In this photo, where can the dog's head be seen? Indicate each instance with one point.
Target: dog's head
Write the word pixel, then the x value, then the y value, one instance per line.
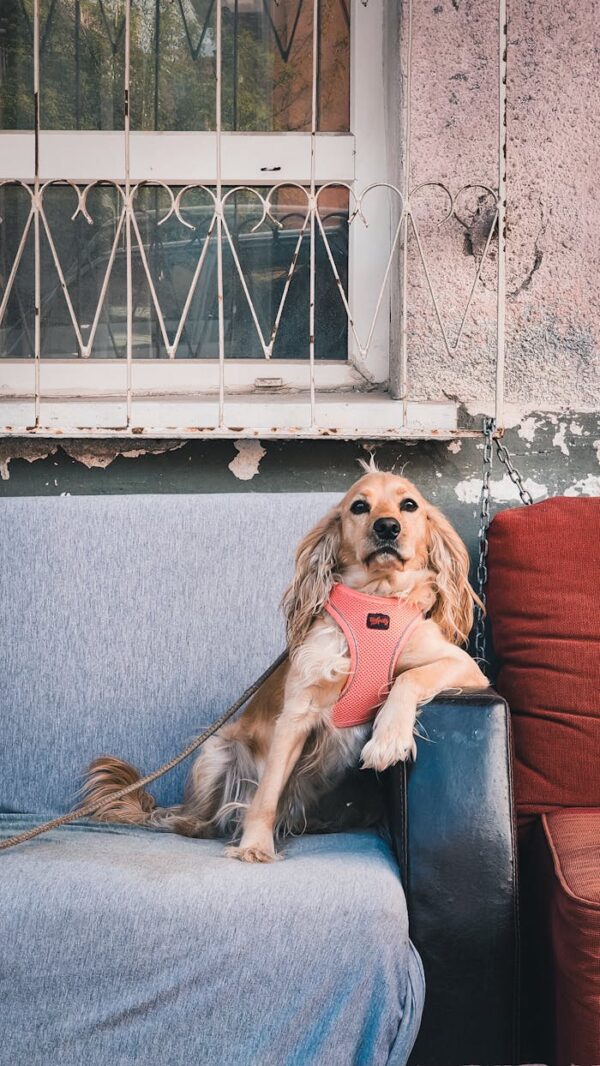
pixel 382 526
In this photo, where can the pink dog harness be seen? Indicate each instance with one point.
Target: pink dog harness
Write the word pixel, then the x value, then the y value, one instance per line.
pixel 377 629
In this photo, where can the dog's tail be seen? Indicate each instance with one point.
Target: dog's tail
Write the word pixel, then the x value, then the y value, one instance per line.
pixel 106 776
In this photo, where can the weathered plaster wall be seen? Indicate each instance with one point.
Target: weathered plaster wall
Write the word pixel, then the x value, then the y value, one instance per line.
pixel 553 208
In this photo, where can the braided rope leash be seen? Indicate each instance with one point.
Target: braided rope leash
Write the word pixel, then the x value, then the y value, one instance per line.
pixel 97 808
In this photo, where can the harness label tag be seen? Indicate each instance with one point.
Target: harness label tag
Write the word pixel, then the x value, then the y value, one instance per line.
pixel 378 621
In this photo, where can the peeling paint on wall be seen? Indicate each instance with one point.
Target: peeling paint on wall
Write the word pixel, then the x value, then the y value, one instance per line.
pixel 587 486
pixel 22 449
pixel 503 491
pixel 246 463
pixel 469 490
pixel 103 453
pixel 558 439
pixel 98 454
pixel 527 429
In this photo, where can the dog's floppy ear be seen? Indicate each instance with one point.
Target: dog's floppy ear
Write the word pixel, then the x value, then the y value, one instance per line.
pixel 315 573
pixel 448 558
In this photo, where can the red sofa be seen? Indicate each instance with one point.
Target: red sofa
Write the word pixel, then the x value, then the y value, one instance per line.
pixel 544 608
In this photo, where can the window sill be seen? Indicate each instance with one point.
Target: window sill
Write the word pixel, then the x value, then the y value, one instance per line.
pixel 344 416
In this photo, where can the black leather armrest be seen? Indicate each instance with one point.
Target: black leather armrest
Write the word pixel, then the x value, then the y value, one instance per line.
pixel 451 820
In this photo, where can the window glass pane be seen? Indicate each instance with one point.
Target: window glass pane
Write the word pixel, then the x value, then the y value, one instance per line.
pixel 174 275
pixel 82 252
pixel 333 76
pixel 268 65
pixel 167 257
pixel 82 64
pixel 173 65
pixel 266 62
pixel 172 254
pixel 16 65
pixel 264 259
pixel 17 324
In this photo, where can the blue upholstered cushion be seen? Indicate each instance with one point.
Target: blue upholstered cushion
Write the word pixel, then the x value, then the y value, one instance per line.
pixel 128 947
pixel 129 623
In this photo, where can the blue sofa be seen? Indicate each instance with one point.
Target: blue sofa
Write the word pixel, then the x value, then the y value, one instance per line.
pixel 127 625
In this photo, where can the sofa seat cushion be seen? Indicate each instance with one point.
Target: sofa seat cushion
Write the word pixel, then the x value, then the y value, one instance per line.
pixel 544 579
pixel 129 623
pixel 573 838
pixel 125 946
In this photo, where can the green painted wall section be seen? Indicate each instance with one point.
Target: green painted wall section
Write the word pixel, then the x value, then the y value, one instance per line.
pixel 557 454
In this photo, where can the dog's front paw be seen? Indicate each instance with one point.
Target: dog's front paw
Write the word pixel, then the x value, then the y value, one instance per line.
pixel 251 853
pixel 387 747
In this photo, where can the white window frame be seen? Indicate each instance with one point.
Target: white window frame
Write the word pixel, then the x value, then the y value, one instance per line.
pixel 282 398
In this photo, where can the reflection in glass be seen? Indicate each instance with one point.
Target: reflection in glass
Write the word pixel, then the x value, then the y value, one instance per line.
pixel 264 256
pixel 16 64
pixel 169 254
pixel 173 65
pixel 82 64
pixel 267 65
pixel 17 325
pixel 83 251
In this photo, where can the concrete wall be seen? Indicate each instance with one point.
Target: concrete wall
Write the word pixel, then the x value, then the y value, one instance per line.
pixel 553 208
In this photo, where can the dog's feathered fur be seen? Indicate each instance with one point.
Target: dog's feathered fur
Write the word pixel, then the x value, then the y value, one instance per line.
pixel 261 777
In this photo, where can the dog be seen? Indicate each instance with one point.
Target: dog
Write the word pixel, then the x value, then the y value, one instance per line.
pixel 258 778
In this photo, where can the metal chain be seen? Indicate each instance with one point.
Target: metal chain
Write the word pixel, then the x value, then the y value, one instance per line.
pixel 513 473
pixel 489 429
pixel 484 521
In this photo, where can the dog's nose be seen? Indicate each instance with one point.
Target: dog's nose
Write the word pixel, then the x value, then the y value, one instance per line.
pixel 386 528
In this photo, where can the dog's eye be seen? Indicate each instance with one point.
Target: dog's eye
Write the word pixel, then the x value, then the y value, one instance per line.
pixel 408 505
pixel 360 507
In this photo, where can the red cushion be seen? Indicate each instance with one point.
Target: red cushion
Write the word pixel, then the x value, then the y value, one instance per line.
pixel 573 838
pixel 543 598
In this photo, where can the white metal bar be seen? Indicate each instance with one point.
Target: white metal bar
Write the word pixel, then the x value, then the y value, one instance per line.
pixel 61 276
pixel 370 235
pixel 37 298
pixel 313 207
pixel 87 350
pixel 129 216
pixel 364 346
pixel 192 288
pixel 404 267
pixel 225 229
pixel 17 155
pixel 502 149
pixel 461 327
pixel 153 294
pixel 219 210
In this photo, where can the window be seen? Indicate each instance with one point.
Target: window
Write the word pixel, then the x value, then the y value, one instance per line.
pixel 200 224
